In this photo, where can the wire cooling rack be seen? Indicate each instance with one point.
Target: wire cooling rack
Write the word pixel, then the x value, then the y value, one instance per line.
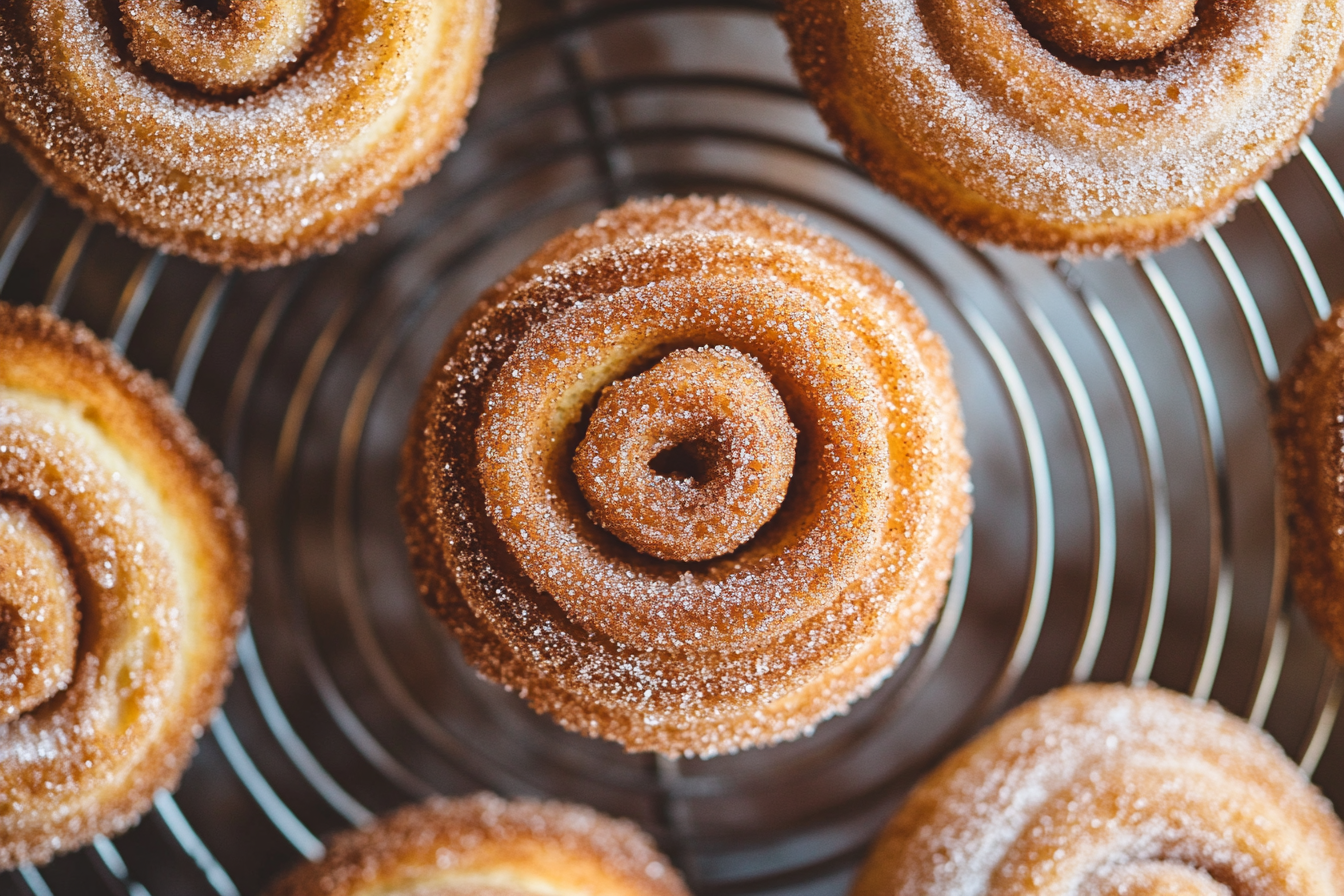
pixel 1127 526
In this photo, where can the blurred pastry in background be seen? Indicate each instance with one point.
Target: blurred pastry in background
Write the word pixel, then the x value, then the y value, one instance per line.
pixel 483 844
pixel 249 137
pixel 1068 127
pixel 1309 431
pixel 1107 789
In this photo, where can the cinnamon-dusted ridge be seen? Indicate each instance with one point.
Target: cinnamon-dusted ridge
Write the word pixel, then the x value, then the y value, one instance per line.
pixel 123 571
pixel 249 138
pixel 635 574
pixel 1068 127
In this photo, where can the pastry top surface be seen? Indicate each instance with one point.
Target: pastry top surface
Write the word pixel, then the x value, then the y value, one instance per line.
pixel 1110 789
pixel 247 138
pixel 1069 126
pixel 107 497
pixel 485 846
pixel 687 323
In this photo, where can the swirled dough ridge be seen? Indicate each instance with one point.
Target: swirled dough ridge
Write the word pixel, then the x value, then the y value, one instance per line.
pixel 109 498
pixel 670 647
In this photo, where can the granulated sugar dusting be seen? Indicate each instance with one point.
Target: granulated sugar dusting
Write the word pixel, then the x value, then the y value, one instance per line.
pixel 724 330
pixel 281 128
pixel 1105 789
pixel 123 566
pixel 980 119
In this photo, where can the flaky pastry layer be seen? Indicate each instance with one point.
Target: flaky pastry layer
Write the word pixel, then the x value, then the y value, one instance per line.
pixel 107 493
pixel 690 655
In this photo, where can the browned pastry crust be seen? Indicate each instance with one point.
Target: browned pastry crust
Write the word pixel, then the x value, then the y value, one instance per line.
pixel 677 646
pixel 1309 430
pixel 249 138
pixel 1112 791
pixel 108 500
pixel 486 846
pixel 958 108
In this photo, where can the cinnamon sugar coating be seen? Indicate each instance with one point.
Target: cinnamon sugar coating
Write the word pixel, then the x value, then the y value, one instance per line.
pixel 39 613
pixel 664 648
pixel 485 846
pixel 1309 431
pixel 716 405
pixel 250 137
pixel 977 113
pixel 1106 789
pixel 1109 29
pixel 124 564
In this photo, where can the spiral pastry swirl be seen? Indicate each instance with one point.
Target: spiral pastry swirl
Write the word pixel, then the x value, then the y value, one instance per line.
pixel 690 479
pixel 250 137
pixel 485 846
pixel 1074 127
pixel 123 567
pixel 1105 789
pixel 1309 431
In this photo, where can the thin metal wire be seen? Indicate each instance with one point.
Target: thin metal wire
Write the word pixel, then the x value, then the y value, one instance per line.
pixel 19 229
pixel 32 878
pixel 58 292
pixel 116 865
pixel 285 821
pixel 1327 712
pixel 312 770
pixel 1311 280
pixel 134 297
pixel 1100 486
pixel 1153 467
pixel 191 843
pixel 1042 508
pixel 1215 469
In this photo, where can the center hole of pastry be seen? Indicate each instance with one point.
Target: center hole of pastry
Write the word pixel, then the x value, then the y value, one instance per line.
pixel 687 460
pixel 1109 30
pixel 39 615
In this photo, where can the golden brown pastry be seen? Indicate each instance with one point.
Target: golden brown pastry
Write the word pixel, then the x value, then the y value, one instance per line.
pixel 249 137
pixel 1309 431
pixel 1075 127
pixel 690 479
pixel 486 846
pixel 1112 791
pixel 123 569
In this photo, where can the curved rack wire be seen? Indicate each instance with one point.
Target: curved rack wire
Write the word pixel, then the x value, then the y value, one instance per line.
pixel 1127 524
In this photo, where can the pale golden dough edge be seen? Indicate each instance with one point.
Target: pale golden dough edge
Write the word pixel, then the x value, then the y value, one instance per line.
pixel 1308 434
pixel 493 846
pixel 45 354
pixel 816 47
